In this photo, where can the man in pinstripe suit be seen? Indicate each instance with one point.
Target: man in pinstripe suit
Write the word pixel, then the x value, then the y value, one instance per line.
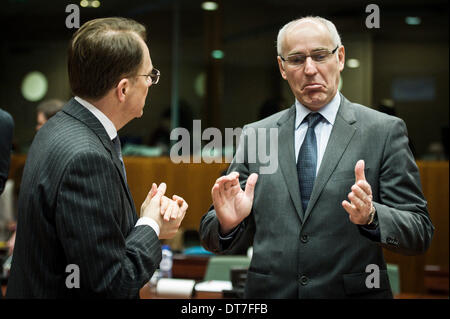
pixel 78 234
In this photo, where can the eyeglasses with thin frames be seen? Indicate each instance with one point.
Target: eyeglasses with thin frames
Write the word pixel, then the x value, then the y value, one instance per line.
pixel 153 77
pixel 319 56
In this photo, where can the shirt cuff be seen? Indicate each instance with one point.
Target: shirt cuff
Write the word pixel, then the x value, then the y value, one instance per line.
pixel 150 222
pixel 230 235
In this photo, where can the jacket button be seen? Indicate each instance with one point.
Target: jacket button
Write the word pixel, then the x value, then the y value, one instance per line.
pixel 303 280
pixel 304 239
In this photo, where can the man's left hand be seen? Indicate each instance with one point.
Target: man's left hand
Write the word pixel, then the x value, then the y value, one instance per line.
pixel 360 197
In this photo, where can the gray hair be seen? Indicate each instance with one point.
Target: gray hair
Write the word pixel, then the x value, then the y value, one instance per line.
pixel 50 107
pixel 328 24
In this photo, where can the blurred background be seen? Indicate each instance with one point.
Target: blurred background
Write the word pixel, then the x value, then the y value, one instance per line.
pixel 218 64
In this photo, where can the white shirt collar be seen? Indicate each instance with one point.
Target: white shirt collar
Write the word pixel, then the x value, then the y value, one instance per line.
pixel 329 111
pixel 106 122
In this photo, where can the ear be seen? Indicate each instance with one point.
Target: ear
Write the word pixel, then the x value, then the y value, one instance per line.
pixel 280 65
pixel 341 56
pixel 122 89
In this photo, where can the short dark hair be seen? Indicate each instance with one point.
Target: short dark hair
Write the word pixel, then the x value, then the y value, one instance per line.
pixel 50 107
pixel 102 52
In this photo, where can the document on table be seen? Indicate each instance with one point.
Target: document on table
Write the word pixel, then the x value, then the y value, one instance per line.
pixel 214 286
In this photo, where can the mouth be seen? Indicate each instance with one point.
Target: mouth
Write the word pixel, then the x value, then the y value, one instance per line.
pixel 312 86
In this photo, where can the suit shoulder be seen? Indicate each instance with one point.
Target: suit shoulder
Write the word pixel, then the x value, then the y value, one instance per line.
pixel 6 120
pixel 372 117
pixel 270 121
pixel 63 138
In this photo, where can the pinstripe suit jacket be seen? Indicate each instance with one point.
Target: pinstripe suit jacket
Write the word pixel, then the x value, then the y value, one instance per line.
pixel 75 208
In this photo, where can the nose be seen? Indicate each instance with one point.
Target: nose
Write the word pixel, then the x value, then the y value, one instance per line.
pixel 310 66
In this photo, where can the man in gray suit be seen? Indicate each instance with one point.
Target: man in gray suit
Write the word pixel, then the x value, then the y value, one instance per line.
pixel 78 234
pixel 308 240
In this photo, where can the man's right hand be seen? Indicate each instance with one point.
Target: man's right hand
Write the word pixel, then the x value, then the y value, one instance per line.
pixel 231 203
pixel 167 213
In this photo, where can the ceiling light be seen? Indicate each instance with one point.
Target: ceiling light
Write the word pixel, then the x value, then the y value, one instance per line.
pixel 353 63
pixel 209 5
pixel 90 3
pixel 34 86
pixel 413 20
pixel 217 54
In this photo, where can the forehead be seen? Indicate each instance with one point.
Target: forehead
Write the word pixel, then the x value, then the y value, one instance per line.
pixel 147 65
pixel 306 36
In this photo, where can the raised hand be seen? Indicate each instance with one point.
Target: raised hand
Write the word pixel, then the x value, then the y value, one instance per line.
pixel 231 203
pixel 360 197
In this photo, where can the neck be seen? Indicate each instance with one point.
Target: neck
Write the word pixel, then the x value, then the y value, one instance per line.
pixel 110 108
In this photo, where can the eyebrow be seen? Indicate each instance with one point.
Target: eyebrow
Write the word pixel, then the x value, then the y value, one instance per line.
pixel 313 50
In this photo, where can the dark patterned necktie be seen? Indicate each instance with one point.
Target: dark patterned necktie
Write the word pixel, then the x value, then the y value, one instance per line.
pixel 118 148
pixel 307 159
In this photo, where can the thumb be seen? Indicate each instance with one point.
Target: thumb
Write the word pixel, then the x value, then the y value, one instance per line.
pixel 250 186
pixel 160 191
pixel 359 171
pixel 150 195
pixel 153 190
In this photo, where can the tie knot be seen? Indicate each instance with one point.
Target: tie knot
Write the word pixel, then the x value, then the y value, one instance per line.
pixel 313 119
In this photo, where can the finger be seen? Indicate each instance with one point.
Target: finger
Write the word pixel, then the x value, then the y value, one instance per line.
pixel 361 194
pixel 161 191
pixel 250 186
pixel 168 213
pixel 164 205
pixel 153 190
pixel 175 210
pixel 183 210
pixel 149 196
pixel 365 186
pixel 233 175
pixel 178 199
pixel 235 189
pixel 227 186
pixel 359 171
pixel 183 213
pixel 228 178
pixel 233 184
pixel 220 179
pixel 215 194
pixel 357 202
pixel 349 208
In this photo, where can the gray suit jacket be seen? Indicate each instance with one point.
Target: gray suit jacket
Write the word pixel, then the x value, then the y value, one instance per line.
pixel 320 253
pixel 75 208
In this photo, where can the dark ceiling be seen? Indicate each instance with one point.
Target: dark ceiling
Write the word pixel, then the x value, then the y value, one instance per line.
pixel 45 19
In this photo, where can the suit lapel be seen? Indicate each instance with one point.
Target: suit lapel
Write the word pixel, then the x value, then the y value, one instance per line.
pixel 78 111
pixel 286 157
pixel 341 135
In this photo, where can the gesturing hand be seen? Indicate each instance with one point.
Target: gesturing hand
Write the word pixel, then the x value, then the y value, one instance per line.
pixel 166 212
pixel 360 197
pixel 231 203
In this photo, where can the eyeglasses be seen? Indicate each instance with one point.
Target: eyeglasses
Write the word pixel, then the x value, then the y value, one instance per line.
pixel 153 77
pixel 318 56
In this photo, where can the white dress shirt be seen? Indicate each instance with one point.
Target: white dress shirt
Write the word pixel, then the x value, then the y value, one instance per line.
pixel 112 133
pixel 322 129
